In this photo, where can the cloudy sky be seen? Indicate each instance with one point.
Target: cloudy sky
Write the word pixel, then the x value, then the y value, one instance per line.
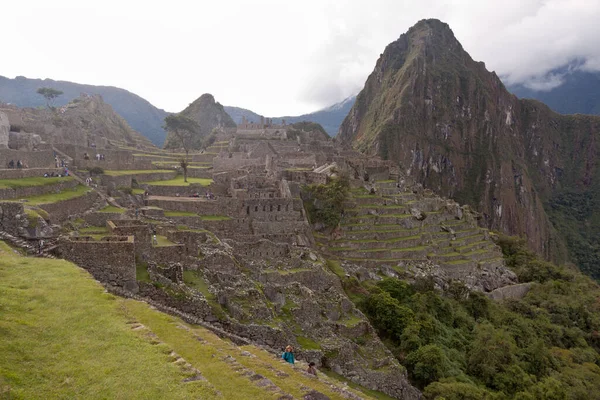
pixel 279 57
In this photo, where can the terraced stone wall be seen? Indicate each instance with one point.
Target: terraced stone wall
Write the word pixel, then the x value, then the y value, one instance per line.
pixel 62 210
pixel 125 180
pixel 27 172
pixel 111 261
pixel 29 191
pixel 33 159
pixel 111 156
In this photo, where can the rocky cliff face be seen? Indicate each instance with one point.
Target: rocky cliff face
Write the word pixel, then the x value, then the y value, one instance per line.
pixel 85 120
pixel 209 114
pixel 453 126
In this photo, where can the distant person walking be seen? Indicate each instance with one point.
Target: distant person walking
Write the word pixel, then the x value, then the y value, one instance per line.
pixel 288 354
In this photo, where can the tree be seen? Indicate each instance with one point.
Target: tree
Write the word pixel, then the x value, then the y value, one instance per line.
pixel 184 129
pixel 49 94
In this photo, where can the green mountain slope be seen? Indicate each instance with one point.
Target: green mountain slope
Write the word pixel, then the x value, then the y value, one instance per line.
pixel 139 113
pixel 209 115
pixel 453 126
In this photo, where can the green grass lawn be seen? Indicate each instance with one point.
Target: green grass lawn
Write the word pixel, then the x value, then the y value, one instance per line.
pixel 180 214
pixel 163 241
pixel 34 181
pixel 112 209
pixel 66 194
pixel 135 172
pixel 214 218
pixel 77 343
pixel 137 191
pixel 178 181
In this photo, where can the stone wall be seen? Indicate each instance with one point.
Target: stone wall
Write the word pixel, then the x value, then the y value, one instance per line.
pixel 135 228
pixel 114 165
pixel 172 191
pixel 100 218
pixel 163 255
pixel 33 159
pixel 305 177
pixel 277 209
pixel 110 260
pixel 12 217
pixel 4 131
pixel 28 191
pixel 62 210
pixel 125 180
pixel 224 163
pixel 27 172
pixel 260 249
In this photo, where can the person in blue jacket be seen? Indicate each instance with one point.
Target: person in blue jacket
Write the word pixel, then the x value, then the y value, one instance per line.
pixel 288 355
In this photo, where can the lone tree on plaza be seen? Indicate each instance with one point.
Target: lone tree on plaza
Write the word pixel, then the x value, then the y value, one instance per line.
pixel 184 129
pixel 49 94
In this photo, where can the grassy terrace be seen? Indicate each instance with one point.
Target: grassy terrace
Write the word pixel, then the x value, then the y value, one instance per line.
pixel 112 209
pixel 66 194
pixel 178 181
pixel 136 172
pixel 163 241
pixel 34 181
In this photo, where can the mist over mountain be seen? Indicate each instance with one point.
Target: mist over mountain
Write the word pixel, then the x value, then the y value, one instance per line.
pixel 138 112
pixel 579 92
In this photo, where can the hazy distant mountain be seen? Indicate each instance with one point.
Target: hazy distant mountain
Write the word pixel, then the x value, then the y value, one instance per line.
pixel 139 113
pixel 580 93
pixel 330 118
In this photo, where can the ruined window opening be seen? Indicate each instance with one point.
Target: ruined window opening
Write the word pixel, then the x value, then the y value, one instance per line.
pixel 256 208
pixel 248 210
pixel 264 208
pixel 287 207
pixel 271 208
pixel 278 207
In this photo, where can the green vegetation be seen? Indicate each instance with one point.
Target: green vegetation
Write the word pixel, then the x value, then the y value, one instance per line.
pixel 179 181
pixel 324 203
pixel 34 181
pixel 112 209
pixel 214 218
pixel 459 344
pixel 180 214
pixel 136 172
pixel 66 194
pixel 77 343
pixel 49 94
pixel 163 241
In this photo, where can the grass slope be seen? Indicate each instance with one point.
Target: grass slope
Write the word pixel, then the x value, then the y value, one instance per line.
pixel 66 194
pixel 85 343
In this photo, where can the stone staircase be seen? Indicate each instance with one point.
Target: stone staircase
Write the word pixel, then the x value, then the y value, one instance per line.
pixel 393 226
pixel 30 249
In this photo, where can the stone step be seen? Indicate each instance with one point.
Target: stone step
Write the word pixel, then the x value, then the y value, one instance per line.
pixel 419 252
pixel 365 244
pixel 387 234
pixel 467 248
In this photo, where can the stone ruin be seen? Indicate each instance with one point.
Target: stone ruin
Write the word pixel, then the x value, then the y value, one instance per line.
pixel 243 255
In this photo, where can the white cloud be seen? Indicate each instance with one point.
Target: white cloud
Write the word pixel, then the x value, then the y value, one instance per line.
pixel 279 57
